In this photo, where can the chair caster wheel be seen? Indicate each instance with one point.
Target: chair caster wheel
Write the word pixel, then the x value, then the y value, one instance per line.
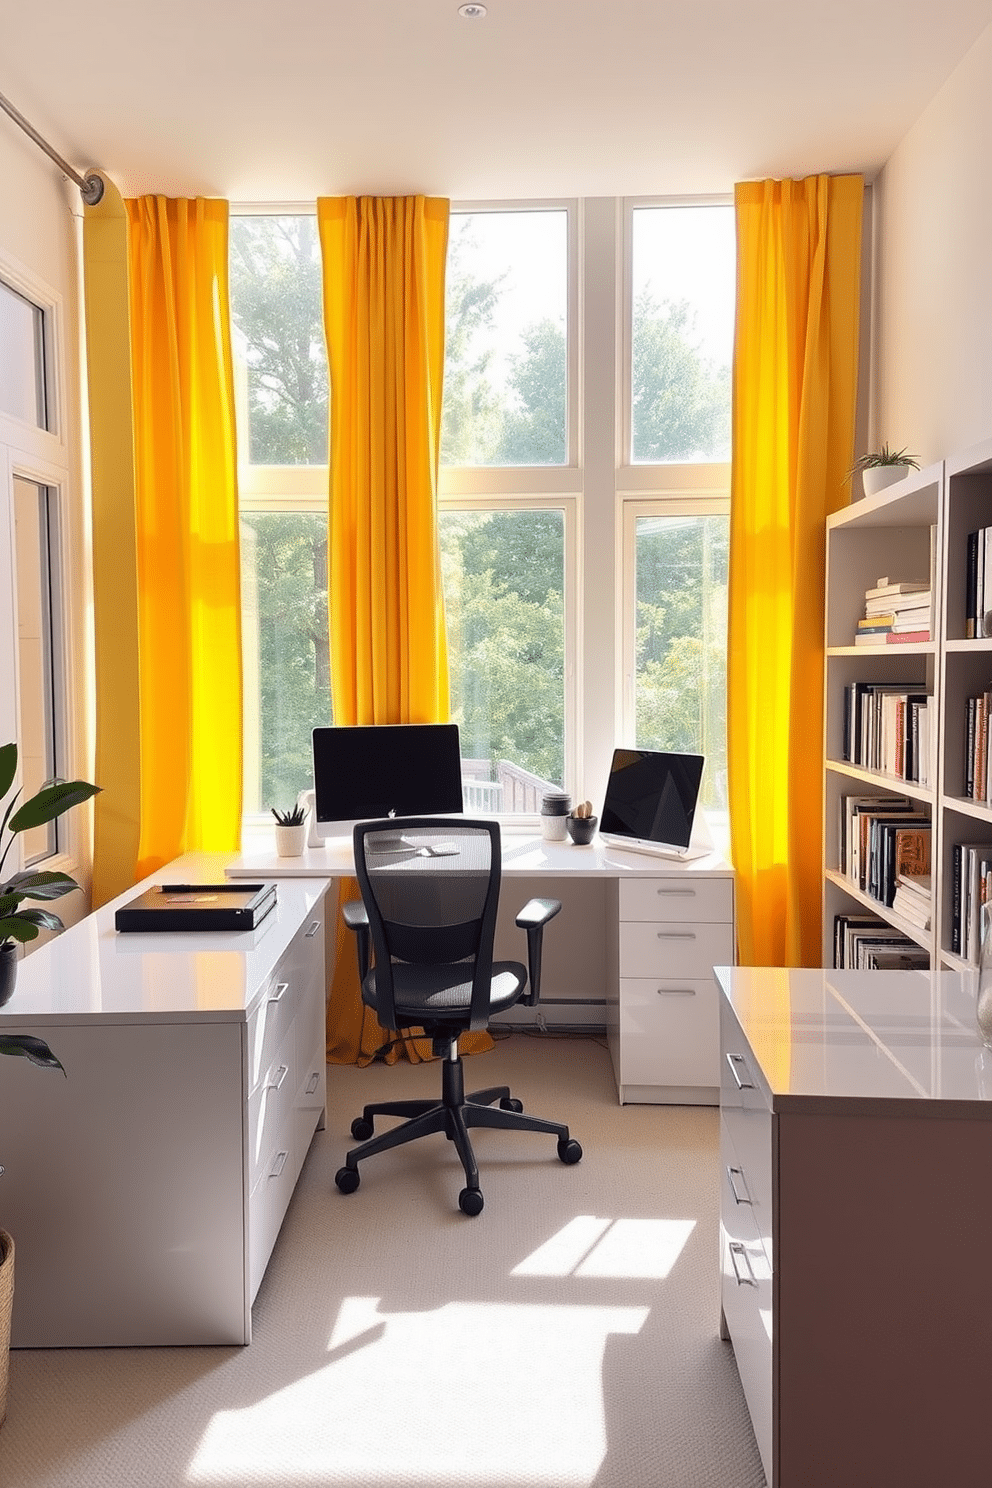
pixel 361 1129
pixel 347 1179
pixel 510 1103
pixel 470 1201
pixel 569 1151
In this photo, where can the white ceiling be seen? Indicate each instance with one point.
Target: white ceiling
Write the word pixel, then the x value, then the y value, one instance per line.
pixel 284 100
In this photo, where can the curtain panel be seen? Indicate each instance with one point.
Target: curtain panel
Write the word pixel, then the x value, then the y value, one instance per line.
pixel 383 272
pixel 794 397
pixel 189 592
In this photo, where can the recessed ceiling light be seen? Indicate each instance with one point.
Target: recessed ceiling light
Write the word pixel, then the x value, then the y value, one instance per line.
pixel 472 12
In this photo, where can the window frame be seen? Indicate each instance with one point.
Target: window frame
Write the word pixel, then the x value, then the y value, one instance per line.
pixel 41 456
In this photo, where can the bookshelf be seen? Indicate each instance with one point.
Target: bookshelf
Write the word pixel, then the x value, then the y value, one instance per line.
pixel 898 533
pixel 918 527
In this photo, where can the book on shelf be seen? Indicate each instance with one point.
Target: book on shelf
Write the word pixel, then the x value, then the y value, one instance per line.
pixel 913 900
pixel 971 586
pixel 898 605
pixel 886 585
pixel 866 942
pixel 978 585
pixel 971 887
pixel 910 957
pixel 884 728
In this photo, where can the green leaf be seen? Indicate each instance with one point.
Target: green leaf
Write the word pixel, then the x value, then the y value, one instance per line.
pixel 42 917
pixel 8 768
pixel 39 885
pixel 17 929
pixel 8 904
pixel 50 802
pixel 27 1046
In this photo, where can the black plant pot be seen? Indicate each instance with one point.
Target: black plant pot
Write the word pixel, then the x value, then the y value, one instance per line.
pixel 8 972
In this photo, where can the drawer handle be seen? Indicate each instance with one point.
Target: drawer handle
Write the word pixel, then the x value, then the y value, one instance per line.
pixel 279 993
pixel 676 934
pixel 738 1251
pixel 676 991
pixel 312 929
pixel 738 1198
pixel 671 893
pixel 312 1083
pixel 279 1164
pixel 738 1059
pixel 281 1074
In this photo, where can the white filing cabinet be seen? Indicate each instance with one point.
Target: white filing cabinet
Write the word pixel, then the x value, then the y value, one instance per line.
pixel 668 932
pixel 145 1190
pixel 855 1213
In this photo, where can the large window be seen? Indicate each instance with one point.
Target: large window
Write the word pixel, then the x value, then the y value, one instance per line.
pixel 281 368
pixel 23 365
pixel 35 548
pixel 506 354
pixel 583 491
pixel 40 650
pixel 504 579
pixel 682 325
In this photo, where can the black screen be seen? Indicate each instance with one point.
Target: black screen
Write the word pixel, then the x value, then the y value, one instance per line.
pixel 652 796
pixel 366 772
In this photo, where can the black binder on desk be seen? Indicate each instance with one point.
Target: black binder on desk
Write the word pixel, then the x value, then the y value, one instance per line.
pixel 223 906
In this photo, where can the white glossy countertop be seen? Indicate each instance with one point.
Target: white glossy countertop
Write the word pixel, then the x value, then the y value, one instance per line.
pixel 524 854
pixel 92 972
pixel 822 1036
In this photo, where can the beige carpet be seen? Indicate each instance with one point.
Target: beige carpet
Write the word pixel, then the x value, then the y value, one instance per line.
pixel 567 1336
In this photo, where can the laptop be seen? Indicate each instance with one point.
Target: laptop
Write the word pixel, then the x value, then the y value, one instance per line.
pixel 650 804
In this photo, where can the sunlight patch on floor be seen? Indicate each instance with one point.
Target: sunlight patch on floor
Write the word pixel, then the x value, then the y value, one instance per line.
pixel 587 1246
pixel 461 1395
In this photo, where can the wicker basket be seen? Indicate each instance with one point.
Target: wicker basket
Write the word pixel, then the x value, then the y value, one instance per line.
pixel 6 1307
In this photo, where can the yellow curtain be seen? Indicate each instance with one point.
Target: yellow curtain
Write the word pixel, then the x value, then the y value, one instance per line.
pixel 115 579
pixel 189 606
pixel 794 393
pixel 383 269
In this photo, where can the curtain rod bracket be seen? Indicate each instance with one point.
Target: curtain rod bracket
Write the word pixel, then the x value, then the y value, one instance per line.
pixel 90 185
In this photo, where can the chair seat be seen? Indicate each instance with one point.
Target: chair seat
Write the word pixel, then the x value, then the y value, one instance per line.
pixel 432 992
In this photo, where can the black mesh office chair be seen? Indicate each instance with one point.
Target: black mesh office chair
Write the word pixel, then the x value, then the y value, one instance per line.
pixel 425 926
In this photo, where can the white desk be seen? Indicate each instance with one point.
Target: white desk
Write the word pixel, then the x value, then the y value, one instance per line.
pixel 856 1224
pixel 634 946
pixel 145 1189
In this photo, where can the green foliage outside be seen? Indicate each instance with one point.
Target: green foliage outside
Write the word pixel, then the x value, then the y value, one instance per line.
pixel 504 585
pixel 681 667
pixel 503 571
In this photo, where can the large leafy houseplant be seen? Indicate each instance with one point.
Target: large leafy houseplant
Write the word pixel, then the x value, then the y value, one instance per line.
pixel 55 797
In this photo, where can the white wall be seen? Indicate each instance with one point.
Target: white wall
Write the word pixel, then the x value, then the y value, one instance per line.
pixel 39 237
pixel 932 356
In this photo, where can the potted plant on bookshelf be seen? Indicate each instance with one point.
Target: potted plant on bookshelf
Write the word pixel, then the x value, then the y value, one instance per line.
pixel 882 468
pixel 291 831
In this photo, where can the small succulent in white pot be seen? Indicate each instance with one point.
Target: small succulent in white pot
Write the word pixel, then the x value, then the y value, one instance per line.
pixel 883 468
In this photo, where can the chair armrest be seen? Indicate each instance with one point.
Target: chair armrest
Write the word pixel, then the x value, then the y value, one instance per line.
pixel 355 916
pixel 533 917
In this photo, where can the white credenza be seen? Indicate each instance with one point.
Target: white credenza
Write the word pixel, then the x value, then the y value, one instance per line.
pixel 145 1190
pixel 666 934
pixel 856 1216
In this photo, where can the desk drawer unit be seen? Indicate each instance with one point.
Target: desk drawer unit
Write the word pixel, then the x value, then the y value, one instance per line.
pixel 663 1021
pixel 171 1149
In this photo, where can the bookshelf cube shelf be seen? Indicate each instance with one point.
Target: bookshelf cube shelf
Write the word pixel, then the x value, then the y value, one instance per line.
pixel 922 530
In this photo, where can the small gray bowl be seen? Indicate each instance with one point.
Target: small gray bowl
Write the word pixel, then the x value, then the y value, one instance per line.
pixel 582 829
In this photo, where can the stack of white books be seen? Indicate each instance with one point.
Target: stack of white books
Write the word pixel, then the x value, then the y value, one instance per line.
pixel 895 611
pixel 913 899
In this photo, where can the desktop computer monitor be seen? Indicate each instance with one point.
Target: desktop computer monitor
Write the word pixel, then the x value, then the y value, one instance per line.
pixel 364 772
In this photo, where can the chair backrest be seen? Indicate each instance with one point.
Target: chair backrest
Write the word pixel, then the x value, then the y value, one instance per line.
pixel 431 890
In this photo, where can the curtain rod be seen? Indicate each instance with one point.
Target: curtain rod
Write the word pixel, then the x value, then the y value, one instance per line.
pixel 90 185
